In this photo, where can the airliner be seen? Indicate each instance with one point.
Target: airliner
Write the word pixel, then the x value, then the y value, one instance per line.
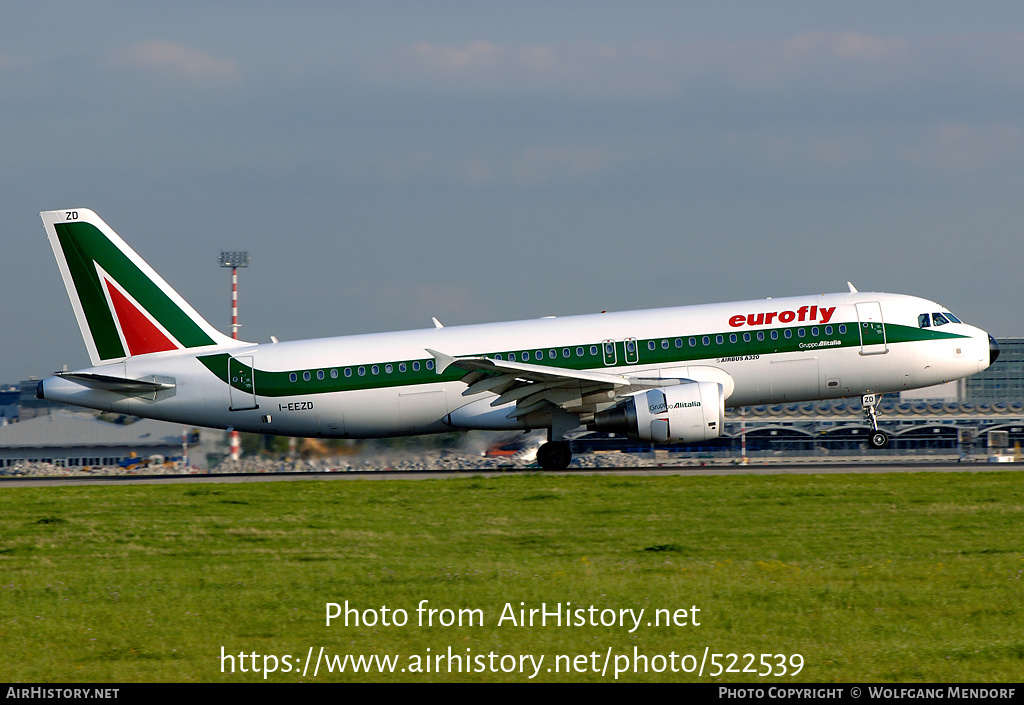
pixel 661 375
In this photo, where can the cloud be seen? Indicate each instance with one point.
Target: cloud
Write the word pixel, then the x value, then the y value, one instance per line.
pixel 481 66
pixel 838 60
pixel 539 164
pixel 176 61
pixel 844 45
pixel 532 165
pixel 475 55
pixel 832 149
pixel 961 147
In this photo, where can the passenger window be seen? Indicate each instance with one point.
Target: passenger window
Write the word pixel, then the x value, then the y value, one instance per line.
pixel 775 335
pixel 416 366
pixel 539 355
pixel 348 371
pixel 801 332
pixel 306 376
pixel 923 321
pixel 512 357
pixel 732 338
pixel 565 352
pixel 430 364
pixel 788 333
pixel 402 367
pixel 579 352
pixel 498 356
pixel 664 345
pixel 719 339
pixel 679 343
pixel 650 346
pixel 842 329
pixel 293 377
pixel 593 350
pixel 705 340
pixel 361 371
pixel 319 374
pixel 760 335
pixel 375 370
pixel 746 337
pixel 552 354
pixel 828 330
pixel 334 374
pixel 814 331
pixel 388 368
pixel 693 342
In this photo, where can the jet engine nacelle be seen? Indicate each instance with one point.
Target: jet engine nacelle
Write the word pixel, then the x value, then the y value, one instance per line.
pixel 689 413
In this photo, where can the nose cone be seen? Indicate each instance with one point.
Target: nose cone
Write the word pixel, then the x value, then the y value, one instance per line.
pixel 993 350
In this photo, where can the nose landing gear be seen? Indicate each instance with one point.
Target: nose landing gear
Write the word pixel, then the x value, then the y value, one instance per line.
pixel 877 439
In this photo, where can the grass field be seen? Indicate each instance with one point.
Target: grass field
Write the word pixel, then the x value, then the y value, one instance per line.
pixel 895 577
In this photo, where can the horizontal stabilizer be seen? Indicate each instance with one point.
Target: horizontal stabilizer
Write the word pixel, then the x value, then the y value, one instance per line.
pixel 120 385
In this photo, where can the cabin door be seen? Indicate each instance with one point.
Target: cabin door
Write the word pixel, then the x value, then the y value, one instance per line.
pixel 872 328
pixel 241 388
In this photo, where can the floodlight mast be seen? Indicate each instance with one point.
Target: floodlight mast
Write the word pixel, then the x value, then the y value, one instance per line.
pixel 234 259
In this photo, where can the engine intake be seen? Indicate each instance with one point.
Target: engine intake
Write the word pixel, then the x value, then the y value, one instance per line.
pixel 689 413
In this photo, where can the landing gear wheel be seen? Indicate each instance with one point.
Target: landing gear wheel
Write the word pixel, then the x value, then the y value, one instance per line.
pixel 878 439
pixel 554 455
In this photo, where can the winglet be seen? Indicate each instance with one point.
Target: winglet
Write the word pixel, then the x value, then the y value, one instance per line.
pixel 853 289
pixel 442 361
pixel 437 323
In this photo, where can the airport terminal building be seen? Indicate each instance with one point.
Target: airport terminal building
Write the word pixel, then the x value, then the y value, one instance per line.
pixel 81 440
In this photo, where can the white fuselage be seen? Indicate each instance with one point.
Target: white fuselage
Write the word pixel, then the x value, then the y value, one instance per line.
pixel 801 348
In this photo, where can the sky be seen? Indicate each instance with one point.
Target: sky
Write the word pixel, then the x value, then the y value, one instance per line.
pixel 385 162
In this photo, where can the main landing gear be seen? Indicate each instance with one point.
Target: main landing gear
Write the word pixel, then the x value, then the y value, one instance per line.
pixel 554 455
pixel 878 439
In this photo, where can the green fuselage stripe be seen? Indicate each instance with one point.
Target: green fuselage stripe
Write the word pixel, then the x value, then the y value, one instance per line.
pixel 280 384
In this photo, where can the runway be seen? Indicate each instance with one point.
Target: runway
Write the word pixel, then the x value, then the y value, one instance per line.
pixel 834 468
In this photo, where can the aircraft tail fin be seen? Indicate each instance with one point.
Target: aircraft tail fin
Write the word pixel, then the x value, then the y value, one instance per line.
pixel 123 306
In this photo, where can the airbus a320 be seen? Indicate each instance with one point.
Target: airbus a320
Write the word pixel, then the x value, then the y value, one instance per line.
pixel 662 375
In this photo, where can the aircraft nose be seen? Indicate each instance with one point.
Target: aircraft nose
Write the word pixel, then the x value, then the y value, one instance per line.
pixel 993 350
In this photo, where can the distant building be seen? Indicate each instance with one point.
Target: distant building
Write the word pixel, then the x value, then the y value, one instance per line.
pixel 1003 381
pixel 9 404
pixel 78 440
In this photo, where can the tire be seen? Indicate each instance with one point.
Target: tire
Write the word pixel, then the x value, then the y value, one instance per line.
pixel 878 440
pixel 554 455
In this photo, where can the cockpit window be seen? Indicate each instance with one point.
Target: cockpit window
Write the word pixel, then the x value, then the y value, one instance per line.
pixel 923 321
pixel 939 320
pixel 951 317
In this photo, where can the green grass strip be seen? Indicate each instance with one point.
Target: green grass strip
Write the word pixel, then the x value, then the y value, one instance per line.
pixel 895 577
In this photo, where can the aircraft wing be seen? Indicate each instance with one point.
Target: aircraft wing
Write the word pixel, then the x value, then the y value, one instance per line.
pixel 534 386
